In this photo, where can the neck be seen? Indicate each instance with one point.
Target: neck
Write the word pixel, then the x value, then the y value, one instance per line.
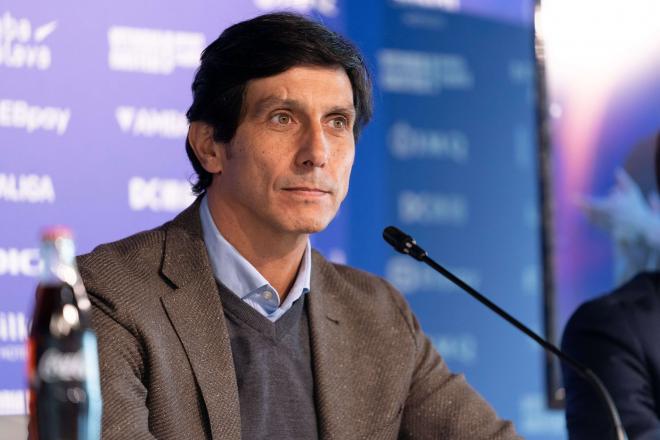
pixel 275 254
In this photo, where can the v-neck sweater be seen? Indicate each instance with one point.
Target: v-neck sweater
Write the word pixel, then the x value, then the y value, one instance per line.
pixel 273 365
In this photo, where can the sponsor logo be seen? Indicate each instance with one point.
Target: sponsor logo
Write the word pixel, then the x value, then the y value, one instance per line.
pixel 13 327
pixel 13 353
pixel 407 142
pixel 56 365
pixel 461 348
pixel 19 262
pixel 13 402
pixel 531 215
pixel 21 115
pixel 537 420
pixel 22 45
pixel 521 71
pixel 447 5
pixel 150 122
pixel 523 148
pixel 325 7
pixel 411 277
pixel 26 188
pixel 422 20
pixel 427 208
pixel 422 73
pixel 153 51
pixel 530 280
pixel 158 194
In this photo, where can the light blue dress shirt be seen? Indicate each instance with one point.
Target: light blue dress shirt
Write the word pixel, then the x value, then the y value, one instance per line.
pixel 241 277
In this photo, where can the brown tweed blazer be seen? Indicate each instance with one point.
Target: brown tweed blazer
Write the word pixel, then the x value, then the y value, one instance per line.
pixel 166 363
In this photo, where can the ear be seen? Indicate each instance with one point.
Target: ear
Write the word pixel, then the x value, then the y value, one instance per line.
pixel 209 153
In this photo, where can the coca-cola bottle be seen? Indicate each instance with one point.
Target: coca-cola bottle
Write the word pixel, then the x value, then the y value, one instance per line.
pixel 63 374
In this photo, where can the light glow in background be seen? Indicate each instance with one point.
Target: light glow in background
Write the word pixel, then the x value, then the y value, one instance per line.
pixel 603 70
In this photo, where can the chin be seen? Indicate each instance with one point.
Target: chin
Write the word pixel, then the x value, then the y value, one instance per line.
pixel 310 226
pixel 308 221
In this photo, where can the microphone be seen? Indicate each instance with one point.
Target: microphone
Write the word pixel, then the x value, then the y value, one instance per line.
pixel 405 244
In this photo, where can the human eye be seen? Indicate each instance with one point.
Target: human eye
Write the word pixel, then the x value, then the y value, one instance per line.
pixel 339 122
pixel 281 119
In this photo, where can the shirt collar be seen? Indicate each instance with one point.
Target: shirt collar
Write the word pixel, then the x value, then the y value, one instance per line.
pixel 236 272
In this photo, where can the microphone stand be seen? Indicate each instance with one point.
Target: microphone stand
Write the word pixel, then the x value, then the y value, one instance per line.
pixel 406 245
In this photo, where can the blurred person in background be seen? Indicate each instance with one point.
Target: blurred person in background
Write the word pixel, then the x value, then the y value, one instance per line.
pixel 618 335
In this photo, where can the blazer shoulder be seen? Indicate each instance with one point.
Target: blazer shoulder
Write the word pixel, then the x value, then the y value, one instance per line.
pixel 142 247
pixel 628 315
pixel 641 293
pixel 121 271
pixel 366 292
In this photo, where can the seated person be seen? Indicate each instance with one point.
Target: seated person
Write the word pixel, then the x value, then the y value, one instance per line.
pixel 618 335
pixel 224 323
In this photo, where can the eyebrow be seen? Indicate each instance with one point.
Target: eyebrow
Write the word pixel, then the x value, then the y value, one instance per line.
pixel 346 110
pixel 265 104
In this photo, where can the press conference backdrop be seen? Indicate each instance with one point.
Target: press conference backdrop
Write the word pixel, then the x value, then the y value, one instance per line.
pixel 92 125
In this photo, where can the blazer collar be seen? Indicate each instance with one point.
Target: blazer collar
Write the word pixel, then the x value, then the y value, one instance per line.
pixel 195 310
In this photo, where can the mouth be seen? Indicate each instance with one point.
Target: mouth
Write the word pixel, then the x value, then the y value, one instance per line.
pixel 307 191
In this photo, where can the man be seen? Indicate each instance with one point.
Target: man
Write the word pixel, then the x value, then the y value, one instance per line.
pixel 617 334
pixel 223 323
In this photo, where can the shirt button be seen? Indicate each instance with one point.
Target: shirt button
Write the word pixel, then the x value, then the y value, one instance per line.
pixel 268 295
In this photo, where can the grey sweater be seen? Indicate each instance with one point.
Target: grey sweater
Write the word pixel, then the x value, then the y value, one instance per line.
pixel 273 367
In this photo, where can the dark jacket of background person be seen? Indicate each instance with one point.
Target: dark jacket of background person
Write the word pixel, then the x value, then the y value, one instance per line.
pixel 618 337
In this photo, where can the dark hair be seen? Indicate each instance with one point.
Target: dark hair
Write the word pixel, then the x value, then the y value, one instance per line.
pixel 261 47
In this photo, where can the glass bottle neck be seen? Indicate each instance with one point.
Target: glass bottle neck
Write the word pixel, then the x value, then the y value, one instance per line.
pixel 58 257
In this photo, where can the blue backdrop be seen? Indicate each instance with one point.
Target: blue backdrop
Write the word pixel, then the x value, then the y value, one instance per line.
pixel 92 102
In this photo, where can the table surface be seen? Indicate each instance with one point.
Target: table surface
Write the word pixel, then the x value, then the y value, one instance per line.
pixel 13 427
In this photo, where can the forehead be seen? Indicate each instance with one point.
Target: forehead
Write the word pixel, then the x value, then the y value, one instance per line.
pixel 305 85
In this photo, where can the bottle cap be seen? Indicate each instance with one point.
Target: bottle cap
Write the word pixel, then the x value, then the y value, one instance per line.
pixel 52 233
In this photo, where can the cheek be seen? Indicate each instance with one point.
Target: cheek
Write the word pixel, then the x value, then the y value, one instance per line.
pixel 256 163
pixel 346 162
pixel 344 176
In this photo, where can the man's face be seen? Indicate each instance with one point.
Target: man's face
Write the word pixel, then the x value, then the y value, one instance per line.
pixel 288 165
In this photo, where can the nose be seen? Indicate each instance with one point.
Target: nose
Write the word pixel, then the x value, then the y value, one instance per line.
pixel 314 148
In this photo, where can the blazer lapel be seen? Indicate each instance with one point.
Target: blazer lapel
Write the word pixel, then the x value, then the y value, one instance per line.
pixel 359 382
pixel 337 373
pixel 195 310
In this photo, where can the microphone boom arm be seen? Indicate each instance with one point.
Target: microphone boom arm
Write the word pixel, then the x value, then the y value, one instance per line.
pixel 406 245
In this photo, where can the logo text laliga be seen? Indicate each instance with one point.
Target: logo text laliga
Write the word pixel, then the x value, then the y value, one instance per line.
pixel 21 45
pixel 27 188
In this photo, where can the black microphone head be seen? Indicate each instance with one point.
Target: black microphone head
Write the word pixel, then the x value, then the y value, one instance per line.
pixel 396 238
pixel 403 242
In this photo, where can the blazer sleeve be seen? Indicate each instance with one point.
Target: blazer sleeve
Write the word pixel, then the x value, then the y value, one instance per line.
pixel 441 404
pixel 125 413
pixel 599 335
